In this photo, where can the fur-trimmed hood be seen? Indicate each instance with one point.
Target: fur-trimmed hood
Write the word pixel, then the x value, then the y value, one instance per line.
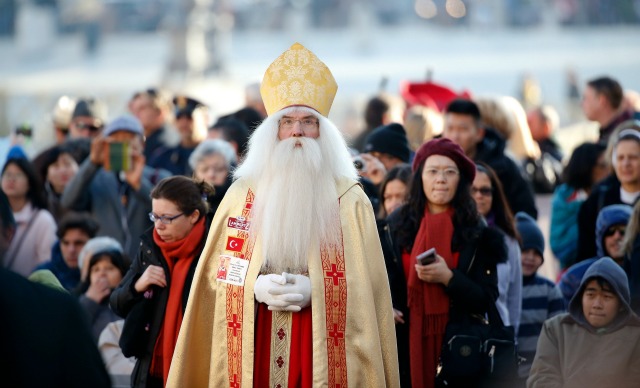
pixel 491 241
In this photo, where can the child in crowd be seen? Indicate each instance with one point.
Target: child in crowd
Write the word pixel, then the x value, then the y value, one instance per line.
pixel 597 343
pixel 541 300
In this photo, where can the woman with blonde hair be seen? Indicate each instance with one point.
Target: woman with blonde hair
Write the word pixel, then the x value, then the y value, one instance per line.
pixel 506 115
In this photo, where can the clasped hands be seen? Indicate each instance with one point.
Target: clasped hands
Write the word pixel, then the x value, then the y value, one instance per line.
pixel 286 292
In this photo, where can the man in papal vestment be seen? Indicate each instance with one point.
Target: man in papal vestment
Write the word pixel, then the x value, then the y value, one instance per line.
pixel 304 300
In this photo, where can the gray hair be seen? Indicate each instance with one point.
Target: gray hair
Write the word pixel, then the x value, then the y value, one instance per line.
pixel 213 147
pixel 550 115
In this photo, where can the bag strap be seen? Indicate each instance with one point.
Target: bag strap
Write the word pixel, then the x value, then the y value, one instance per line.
pixel 14 252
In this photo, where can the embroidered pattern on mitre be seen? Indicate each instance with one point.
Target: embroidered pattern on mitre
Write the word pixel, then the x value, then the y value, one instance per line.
pixel 298 77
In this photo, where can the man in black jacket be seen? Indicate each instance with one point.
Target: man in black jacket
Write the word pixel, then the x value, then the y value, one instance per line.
pixel 463 126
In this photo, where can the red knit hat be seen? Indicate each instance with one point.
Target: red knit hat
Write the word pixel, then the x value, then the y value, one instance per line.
pixel 451 150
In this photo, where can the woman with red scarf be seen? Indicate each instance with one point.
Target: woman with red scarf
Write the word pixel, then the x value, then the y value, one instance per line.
pixel 153 295
pixel 462 280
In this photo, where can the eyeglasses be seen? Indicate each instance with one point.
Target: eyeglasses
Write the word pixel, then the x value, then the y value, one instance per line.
pixel 164 219
pixel 448 173
pixel 612 230
pixel 307 123
pixel 14 177
pixel 484 191
pixel 90 127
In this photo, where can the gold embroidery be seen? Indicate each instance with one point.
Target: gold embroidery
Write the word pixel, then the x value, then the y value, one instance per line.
pixel 280 348
pixel 298 77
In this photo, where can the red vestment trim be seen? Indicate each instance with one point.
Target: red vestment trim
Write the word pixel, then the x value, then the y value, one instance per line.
pixel 235 305
pixel 335 295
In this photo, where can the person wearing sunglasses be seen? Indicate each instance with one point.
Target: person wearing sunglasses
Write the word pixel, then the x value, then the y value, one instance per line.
pixel 492 205
pixel 610 228
pixel 159 280
pixel 87 119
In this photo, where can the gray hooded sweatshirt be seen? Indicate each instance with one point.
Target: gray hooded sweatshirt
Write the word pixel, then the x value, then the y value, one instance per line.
pixel 572 353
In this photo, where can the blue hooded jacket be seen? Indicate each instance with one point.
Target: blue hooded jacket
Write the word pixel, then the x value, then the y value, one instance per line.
pixel 68 277
pixel 610 271
pixel 609 216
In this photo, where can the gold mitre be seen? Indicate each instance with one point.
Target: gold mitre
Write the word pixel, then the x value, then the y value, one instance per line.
pixel 298 77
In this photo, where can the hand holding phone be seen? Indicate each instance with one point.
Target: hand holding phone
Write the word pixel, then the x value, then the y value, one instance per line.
pixel 117 156
pixel 427 257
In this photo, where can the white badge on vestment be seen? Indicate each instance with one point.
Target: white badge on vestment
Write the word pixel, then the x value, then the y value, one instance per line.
pixel 232 270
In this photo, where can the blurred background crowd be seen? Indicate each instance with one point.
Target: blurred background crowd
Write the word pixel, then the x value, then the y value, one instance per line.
pixel 537 92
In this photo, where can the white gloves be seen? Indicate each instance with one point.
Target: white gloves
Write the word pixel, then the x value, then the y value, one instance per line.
pixel 284 292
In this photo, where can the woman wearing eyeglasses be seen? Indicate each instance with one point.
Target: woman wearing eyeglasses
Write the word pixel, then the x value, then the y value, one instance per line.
pixel 492 205
pixel 153 295
pixel 461 280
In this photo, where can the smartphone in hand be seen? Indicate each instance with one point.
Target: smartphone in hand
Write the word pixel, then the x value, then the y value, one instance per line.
pixel 118 156
pixel 427 257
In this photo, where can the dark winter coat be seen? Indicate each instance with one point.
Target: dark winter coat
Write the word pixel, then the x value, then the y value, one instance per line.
pixel 219 192
pixel 603 194
pixel 44 338
pixel 157 142
pixel 517 188
pixel 551 147
pixel 99 314
pixel 174 159
pixel 469 292
pixel 125 297
pixel 632 268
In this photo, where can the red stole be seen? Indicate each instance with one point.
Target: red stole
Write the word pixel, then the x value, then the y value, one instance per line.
pixel 179 256
pixel 300 351
pixel 428 302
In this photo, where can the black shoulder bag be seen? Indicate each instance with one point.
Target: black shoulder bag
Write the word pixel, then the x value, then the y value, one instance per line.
pixel 478 352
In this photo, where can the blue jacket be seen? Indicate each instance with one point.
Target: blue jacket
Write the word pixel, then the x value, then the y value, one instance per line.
pixel 68 277
pixel 608 216
pixel 563 236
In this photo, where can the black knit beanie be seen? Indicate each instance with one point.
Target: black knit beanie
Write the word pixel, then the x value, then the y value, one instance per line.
pixel 389 139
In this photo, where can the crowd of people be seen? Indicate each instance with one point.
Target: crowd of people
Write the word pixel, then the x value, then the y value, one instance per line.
pixel 267 249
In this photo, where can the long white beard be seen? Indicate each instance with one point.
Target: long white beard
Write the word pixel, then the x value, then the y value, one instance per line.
pixel 296 206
